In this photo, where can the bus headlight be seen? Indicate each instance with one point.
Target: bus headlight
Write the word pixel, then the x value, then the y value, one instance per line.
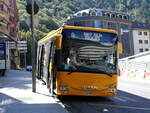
pixel 64 88
pixel 112 90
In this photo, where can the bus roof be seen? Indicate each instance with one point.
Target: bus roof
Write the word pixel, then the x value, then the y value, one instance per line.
pixel 58 31
pixel 90 29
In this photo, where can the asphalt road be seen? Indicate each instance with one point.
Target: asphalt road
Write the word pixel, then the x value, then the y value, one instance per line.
pixel 133 97
pixel 16 97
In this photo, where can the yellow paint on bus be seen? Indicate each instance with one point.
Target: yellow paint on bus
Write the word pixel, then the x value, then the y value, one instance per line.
pixel 79 83
pixel 85 84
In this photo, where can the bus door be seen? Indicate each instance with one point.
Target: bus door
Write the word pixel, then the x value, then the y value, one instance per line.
pixel 39 51
pixel 41 62
pixel 45 69
pixel 51 79
pixel 2 58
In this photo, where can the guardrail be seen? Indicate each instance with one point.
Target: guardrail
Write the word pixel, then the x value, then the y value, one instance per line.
pixel 137 66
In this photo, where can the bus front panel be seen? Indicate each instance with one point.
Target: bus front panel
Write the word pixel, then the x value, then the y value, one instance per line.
pixel 86 84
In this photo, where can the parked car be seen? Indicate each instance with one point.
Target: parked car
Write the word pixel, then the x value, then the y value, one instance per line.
pixel 29 68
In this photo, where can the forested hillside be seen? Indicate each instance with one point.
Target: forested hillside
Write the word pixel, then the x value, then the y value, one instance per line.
pixel 53 12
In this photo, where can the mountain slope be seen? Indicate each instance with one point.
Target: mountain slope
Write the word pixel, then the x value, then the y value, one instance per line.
pixel 52 14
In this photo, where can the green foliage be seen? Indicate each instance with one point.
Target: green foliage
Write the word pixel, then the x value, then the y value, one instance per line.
pixel 59 10
pixel 1 15
pixel 2 24
pixel 26 35
pixel 24 26
pixel 53 12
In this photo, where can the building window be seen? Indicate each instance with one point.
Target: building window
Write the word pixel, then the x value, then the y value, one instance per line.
pixel 11 3
pixel 145 33
pixel 81 23
pixel 97 24
pixel 112 25
pixel 146 41
pixel 124 26
pixel 140 33
pixel 1 20
pixel 1 7
pixel 141 50
pixel 140 41
pixel 146 49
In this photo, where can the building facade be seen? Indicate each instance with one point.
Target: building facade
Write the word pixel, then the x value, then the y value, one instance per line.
pixel 9 31
pixel 9 17
pixel 141 37
pixel 100 18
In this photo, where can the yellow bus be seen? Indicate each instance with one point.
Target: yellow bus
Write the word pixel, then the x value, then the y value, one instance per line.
pixel 79 61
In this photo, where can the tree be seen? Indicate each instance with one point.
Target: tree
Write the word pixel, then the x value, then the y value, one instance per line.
pixel 2 23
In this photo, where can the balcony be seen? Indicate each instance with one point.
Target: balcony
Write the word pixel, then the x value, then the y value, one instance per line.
pixel 6 17
pixel 9 17
pixel 3 29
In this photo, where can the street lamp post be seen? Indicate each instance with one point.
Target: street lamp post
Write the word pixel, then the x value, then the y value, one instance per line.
pixel 33 50
pixel 32 8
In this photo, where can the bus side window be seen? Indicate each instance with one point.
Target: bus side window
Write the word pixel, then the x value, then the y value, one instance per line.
pixel 42 61
pixel 51 57
pixel 46 60
pixel 38 60
pixel 52 52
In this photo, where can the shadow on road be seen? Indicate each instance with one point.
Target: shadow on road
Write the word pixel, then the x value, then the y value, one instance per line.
pixel 16 79
pixel 16 95
pixel 123 103
pixel 9 104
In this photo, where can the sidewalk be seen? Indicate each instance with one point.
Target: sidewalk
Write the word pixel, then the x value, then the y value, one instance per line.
pixel 16 95
pixel 139 80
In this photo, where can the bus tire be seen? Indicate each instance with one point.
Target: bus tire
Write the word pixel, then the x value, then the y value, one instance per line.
pixel 2 72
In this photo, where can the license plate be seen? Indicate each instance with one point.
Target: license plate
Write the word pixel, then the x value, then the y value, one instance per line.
pixel 88 93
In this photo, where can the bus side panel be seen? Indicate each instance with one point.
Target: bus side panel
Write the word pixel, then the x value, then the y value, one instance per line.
pixel 86 84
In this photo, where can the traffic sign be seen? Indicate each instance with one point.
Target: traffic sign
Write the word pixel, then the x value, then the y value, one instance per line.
pixel 22 45
pixel 36 21
pixel 29 7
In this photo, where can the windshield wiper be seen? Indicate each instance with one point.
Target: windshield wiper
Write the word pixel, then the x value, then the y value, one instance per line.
pixel 98 69
pixel 106 73
pixel 72 70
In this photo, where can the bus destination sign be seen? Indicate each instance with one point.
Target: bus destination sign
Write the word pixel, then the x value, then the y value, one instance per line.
pixel 102 37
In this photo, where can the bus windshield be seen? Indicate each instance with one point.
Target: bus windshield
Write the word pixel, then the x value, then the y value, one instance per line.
pixel 93 54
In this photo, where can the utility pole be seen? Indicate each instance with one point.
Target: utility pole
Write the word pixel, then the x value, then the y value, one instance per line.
pixel 33 49
pixel 32 8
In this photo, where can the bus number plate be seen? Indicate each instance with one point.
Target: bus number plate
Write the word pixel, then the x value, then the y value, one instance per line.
pixel 88 93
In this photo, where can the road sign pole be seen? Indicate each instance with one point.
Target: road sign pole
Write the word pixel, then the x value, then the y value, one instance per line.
pixel 33 50
pixel 32 8
pixel 25 64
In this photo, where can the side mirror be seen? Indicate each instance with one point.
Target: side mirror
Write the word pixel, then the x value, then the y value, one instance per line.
pixel 119 47
pixel 58 41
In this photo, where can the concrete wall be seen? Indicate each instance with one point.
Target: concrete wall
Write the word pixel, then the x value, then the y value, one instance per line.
pixel 137 66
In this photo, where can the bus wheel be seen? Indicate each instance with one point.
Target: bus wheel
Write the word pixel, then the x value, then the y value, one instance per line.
pixel 2 72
